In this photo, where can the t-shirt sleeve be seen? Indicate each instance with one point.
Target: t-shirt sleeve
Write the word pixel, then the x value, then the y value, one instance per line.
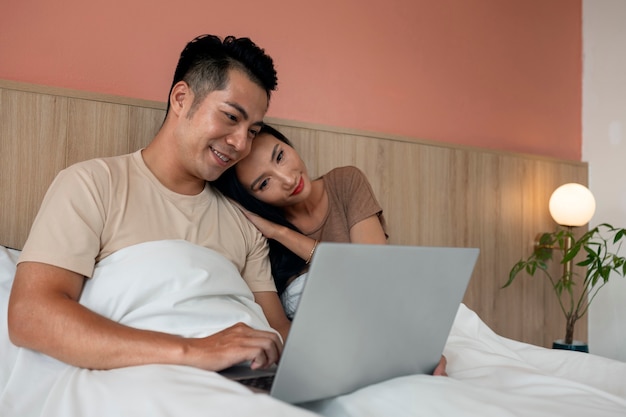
pixel 257 272
pixel 66 231
pixel 256 269
pixel 357 195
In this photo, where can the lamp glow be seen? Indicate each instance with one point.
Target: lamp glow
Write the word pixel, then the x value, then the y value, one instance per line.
pixel 572 205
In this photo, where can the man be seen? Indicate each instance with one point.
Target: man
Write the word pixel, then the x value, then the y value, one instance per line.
pixel 219 96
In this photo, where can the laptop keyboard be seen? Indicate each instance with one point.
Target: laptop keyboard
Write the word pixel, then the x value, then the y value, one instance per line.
pixel 263 383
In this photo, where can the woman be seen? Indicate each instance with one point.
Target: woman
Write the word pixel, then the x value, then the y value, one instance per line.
pixel 295 212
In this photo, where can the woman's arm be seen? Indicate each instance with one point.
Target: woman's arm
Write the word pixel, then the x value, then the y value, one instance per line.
pixel 298 243
pixel 368 230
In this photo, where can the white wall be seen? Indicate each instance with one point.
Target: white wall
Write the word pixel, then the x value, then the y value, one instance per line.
pixel 604 148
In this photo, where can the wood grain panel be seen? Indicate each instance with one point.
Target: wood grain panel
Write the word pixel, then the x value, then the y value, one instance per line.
pixel 144 124
pixel 33 140
pixel 437 195
pixel 96 129
pixel 433 194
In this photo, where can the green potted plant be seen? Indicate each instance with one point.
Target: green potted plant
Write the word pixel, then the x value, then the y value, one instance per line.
pixel 600 247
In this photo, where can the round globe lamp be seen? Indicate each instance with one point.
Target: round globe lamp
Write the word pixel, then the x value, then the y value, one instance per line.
pixel 572 205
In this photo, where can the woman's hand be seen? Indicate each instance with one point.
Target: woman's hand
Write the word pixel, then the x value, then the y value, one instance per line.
pixel 266 227
pixel 440 370
pixel 293 240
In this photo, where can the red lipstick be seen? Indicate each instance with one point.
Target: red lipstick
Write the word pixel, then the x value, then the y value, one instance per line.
pixel 299 187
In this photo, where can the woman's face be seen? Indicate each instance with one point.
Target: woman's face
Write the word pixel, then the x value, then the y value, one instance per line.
pixel 273 172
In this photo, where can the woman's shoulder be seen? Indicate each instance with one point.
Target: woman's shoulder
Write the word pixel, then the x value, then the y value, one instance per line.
pixel 345 171
pixel 346 180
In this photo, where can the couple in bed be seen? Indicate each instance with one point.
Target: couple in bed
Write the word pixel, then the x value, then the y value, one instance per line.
pixel 215 110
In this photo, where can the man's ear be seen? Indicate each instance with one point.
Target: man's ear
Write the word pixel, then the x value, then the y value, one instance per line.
pixel 180 96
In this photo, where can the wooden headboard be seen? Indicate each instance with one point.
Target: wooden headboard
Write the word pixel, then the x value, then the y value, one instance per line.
pixel 433 194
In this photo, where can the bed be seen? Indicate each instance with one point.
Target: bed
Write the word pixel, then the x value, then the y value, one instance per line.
pixel 432 194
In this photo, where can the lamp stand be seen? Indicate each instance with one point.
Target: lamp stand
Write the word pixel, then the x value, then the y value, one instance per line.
pixel 567 245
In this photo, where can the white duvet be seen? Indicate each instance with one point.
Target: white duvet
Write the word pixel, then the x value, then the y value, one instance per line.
pixel 181 288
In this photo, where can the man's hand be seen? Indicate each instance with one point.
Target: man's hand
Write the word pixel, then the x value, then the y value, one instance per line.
pixel 236 344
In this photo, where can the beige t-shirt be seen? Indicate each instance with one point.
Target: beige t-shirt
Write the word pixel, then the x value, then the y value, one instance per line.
pixel 97 207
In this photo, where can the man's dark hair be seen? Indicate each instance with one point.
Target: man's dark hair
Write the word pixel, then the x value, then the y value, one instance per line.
pixel 206 60
pixel 285 264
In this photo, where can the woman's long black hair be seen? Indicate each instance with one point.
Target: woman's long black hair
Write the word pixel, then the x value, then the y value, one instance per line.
pixel 285 264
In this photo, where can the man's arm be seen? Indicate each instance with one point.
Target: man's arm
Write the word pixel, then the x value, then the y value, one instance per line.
pixel 44 315
pixel 274 312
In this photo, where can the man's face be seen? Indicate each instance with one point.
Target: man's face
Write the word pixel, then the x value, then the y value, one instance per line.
pixel 221 128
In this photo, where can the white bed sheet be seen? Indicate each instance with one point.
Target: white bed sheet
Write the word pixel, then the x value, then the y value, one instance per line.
pixel 489 375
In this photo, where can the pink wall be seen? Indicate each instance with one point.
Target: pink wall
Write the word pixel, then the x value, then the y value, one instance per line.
pixel 501 74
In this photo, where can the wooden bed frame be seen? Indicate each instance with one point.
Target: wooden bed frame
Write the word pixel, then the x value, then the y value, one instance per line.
pixel 433 194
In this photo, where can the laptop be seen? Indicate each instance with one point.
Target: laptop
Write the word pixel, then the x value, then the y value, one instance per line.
pixel 368 313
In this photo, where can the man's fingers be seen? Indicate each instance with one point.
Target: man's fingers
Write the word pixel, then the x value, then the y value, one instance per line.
pixel 240 343
pixel 266 349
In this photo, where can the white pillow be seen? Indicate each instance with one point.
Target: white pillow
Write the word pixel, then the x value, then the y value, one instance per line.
pixel 8 261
